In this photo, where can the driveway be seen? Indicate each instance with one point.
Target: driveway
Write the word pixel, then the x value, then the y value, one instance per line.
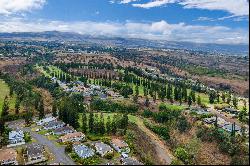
pixel 59 153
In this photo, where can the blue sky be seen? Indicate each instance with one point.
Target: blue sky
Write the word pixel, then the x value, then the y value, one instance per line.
pixel 205 21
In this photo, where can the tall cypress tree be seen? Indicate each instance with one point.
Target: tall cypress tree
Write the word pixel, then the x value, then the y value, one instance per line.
pixel 54 110
pixel 91 122
pixel 189 101
pixel 108 125
pixel 5 108
pixel 17 106
pixel 41 110
pixel 84 123
pixel 2 126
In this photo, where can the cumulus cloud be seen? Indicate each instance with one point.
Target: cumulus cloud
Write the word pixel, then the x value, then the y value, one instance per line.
pixel 8 7
pixel 161 30
pixel 235 7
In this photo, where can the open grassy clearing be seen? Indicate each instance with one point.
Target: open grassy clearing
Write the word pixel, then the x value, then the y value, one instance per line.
pixel 175 107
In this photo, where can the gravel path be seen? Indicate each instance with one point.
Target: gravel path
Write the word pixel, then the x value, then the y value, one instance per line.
pixel 163 152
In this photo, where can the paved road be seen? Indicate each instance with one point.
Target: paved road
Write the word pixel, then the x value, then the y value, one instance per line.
pixel 59 153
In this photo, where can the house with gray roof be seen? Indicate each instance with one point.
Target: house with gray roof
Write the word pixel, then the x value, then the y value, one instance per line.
pixel 209 120
pixel 229 128
pixel 45 120
pixel 64 130
pixel 102 148
pixel 130 161
pixel 231 110
pixel 83 151
pixel 54 125
pixel 35 154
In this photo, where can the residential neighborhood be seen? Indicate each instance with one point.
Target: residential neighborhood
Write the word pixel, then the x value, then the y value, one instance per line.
pixel 124 82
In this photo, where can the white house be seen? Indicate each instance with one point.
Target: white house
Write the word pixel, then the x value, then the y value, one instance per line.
pixel 16 138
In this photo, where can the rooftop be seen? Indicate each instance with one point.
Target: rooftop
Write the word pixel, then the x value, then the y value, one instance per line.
pixel 130 161
pixel 100 146
pixel 119 143
pixel 8 154
pixel 83 151
pixel 34 150
pixel 72 135
pixel 54 123
pixel 65 128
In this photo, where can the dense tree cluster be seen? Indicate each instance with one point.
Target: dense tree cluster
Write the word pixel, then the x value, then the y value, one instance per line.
pixel 96 124
pixel 69 111
pixel 110 106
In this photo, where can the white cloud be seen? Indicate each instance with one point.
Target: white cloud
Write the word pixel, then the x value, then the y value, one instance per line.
pixel 155 3
pixel 204 19
pixel 156 30
pixel 8 7
pixel 127 1
pixel 235 7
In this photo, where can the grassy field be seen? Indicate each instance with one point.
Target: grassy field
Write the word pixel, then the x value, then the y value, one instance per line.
pixel 175 107
pixel 4 91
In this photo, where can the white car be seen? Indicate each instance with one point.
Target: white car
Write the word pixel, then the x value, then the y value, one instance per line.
pixel 124 155
pixel 37 130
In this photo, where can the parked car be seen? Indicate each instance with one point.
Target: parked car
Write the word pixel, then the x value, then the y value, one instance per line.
pixel 37 130
pixel 124 155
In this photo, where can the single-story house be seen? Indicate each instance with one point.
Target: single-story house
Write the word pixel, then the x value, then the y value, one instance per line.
pixel 45 120
pixel 130 161
pixel 64 130
pixel 83 151
pixel 230 110
pixel 200 111
pixel 72 137
pixel 102 148
pixel 16 138
pixel 8 157
pixel 120 146
pixel 209 120
pixel 221 122
pixel 229 127
pixel 54 125
pixel 35 153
